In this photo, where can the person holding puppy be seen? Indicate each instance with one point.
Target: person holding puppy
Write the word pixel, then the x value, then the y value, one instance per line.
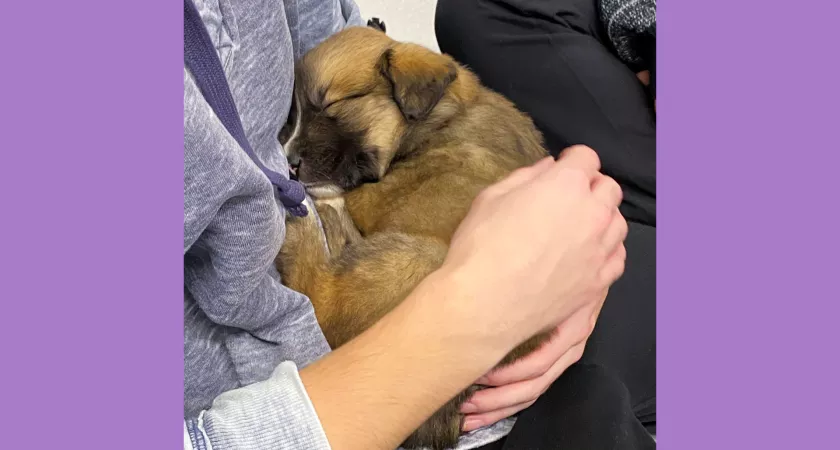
pixel 258 372
pixel 575 67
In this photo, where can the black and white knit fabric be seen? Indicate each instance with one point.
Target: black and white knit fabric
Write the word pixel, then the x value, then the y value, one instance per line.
pixel 631 27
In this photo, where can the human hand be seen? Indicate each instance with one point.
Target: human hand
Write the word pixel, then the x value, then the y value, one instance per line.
pixel 517 386
pixel 493 291
pixel 574 251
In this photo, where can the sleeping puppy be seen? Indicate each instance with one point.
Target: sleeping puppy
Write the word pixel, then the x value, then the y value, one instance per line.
pixel 393 141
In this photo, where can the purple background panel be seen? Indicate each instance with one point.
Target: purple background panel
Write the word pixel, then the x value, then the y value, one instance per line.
pixel 91 225
pixel 748 160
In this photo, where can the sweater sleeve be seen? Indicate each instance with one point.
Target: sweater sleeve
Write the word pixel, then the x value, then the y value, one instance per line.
pixel 271 414
pixel 631 28
pixel 233 230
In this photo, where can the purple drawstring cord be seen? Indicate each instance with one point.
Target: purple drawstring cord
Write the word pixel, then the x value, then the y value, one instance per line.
pixel 201 58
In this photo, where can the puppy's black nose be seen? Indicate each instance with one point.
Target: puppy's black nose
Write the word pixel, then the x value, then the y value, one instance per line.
pixel 294 160
pixel 294 165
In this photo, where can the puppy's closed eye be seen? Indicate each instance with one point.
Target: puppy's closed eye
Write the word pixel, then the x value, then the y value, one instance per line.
pixel 348 97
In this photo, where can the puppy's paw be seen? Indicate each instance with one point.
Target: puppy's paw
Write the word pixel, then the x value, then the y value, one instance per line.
pixel 376 24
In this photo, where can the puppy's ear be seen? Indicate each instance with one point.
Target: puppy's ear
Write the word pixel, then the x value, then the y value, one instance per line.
pixel 418 76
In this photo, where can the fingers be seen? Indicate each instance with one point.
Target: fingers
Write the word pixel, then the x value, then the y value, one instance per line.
pixel 482 420
pixel 493 399
pixel 571 332
pixel 615 234
pixel 576 157
pixel 597 311
pixel 500 397
pixel 580 157
pixel 523 175
pixel 607 191
pixel 614 267
pixel 538 362
pixel 488 406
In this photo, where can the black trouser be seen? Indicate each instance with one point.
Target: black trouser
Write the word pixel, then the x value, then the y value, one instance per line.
pixel 551 58
pixel 588 410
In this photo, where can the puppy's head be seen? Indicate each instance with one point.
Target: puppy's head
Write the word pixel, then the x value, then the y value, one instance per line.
pixel 357 95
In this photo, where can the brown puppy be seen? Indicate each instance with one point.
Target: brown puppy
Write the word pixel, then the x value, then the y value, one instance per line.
pixel 394 141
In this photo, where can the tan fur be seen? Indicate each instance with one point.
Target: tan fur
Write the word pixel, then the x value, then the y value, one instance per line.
pixel 439 138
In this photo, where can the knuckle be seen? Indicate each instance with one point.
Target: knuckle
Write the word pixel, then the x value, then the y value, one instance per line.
pixel 623 226
pixel 577 352
pixel 619 193
pixel 490 379
pixel 612 272
pixel 622 253
pixel 579 176
pixel 584 151
pixel 582 335
pixel 479 402
pixel 620 266
pixel 602 214
pixel 542 368
pixel 613 186
pixel 574 179
pixel 533 395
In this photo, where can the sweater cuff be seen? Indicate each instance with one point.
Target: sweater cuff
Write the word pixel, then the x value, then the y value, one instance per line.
pixel 275 413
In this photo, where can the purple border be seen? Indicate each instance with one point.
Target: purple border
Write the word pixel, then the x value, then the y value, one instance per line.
pixel 748 344
pixel 91 178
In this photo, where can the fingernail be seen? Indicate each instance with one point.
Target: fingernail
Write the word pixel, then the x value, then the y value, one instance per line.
pixel 471 424
pixel 468 407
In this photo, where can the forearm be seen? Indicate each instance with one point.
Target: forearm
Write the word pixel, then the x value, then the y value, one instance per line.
pixel 375 390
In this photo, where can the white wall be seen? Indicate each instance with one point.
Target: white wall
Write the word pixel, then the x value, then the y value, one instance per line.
pixel 406 20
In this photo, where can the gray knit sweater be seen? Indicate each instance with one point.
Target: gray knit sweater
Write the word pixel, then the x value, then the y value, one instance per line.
pixel 240 322
pixel 631 28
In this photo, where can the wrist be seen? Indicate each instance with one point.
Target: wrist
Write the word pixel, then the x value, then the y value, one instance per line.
pixel 450 306
pixel 475 303
pixel 399 372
